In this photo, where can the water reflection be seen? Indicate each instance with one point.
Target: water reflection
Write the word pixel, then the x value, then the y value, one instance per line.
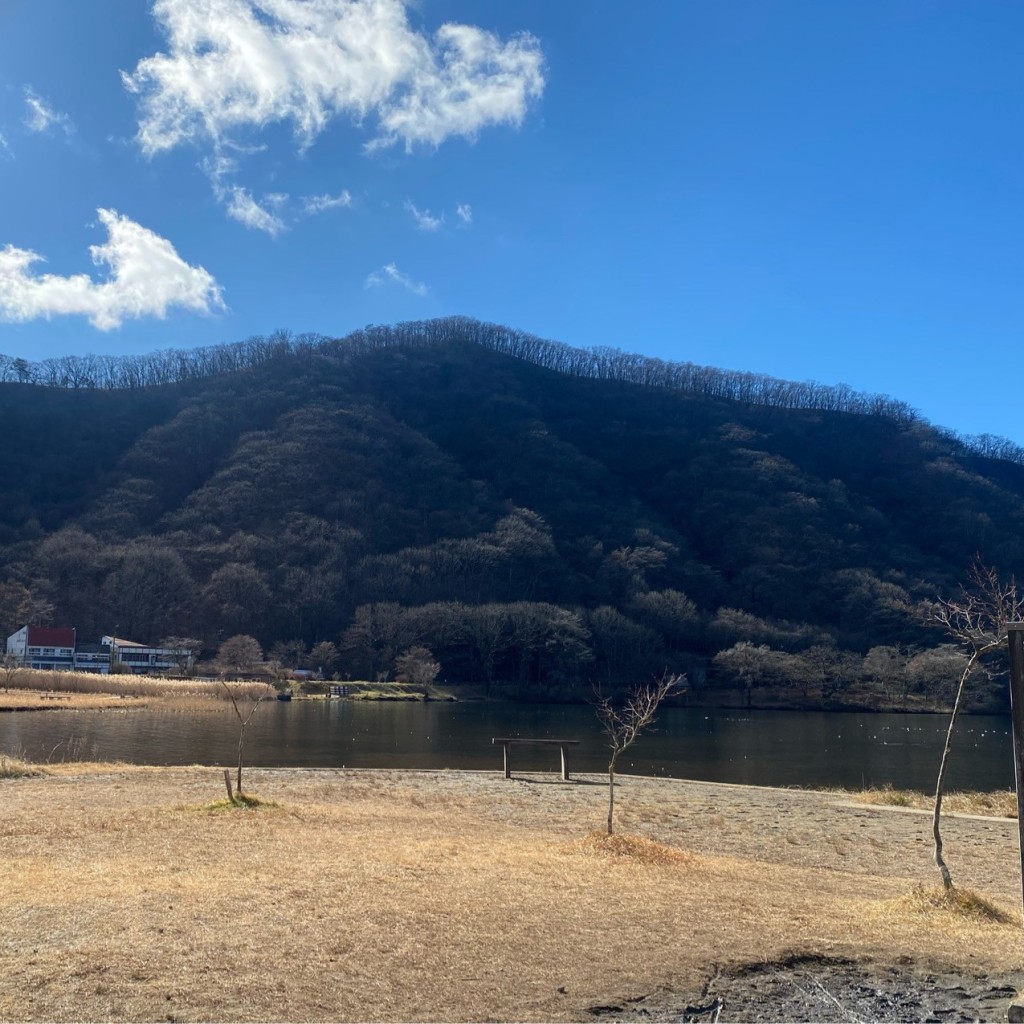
pixel 761 748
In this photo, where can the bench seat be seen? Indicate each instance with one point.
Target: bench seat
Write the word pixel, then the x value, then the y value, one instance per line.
pixel 510 741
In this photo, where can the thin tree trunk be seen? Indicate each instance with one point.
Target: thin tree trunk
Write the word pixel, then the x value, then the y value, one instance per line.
pixel 241 741
pixel 611 794
pixel 940 785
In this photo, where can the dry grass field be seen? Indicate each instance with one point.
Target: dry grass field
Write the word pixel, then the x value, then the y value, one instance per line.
pixel 457 896
pixel 31 690
pixel 1001 804
pixel 51 700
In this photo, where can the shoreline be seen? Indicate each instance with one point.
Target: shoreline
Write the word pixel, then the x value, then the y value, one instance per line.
pixel 71 700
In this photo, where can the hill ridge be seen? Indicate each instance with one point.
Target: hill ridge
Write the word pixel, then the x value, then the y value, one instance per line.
pixel 171 366
pixel 533 527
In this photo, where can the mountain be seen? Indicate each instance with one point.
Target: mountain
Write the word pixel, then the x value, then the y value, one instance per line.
pixel 533 514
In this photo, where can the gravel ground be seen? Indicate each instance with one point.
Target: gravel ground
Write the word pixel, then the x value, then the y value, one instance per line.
pixel 812 988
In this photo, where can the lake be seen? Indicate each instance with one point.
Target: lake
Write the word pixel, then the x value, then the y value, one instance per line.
pixel 770 748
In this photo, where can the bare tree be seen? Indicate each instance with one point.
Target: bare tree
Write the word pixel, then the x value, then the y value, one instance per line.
pixel 416 666
pixel 324 658
pixel 624 723
pixel 977 618
pixel 183 651
pixel 239 655
pixel 258 694
pixel 10 669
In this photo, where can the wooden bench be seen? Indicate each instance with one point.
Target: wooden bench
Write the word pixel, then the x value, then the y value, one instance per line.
pixel 509 741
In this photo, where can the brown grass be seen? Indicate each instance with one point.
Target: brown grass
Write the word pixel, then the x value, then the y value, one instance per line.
pixel 18 768
pixel 444 895
pixel 636 849
pixel 48 700
pixel 397 691
pixel 1000 804
pixel 953 906
pixel 132 686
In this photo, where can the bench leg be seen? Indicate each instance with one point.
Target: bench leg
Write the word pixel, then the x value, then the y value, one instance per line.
pixel 508 765
pixel 565 764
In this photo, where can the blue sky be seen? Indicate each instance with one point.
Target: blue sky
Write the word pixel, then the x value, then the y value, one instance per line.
pixel 813 190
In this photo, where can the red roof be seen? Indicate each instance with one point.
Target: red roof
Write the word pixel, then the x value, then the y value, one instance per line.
pixel 44 636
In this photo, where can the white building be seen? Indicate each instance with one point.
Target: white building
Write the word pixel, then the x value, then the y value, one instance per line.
pixel 142 659
pixel 43 647
pixel 50 648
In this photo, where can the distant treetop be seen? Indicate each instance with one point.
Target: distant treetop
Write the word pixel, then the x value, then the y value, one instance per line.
pixel 171 366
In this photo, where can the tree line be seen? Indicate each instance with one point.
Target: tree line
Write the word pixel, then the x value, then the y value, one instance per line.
pixel 171 366
pixel 602 532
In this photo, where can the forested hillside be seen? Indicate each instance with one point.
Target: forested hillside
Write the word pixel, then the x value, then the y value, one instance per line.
pixel 532 514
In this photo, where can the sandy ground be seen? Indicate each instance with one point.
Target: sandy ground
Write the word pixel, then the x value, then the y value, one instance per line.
pixel 396 895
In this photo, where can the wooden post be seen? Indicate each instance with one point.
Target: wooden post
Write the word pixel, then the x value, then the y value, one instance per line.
pixel 1015 641
pixel 508 763
pixel 565 763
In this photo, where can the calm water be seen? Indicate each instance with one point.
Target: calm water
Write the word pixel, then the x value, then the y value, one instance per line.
pixel 765 748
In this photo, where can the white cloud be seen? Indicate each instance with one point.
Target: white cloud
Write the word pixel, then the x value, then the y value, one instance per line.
pixel 5 149
pixel 390 272
pixel 146 278
pixel 218 167
pixel 239 202
pixel 471 80
pixel 242 207
pixel 465 212
pixel 318 204
pixel 233 65
pixel 273 213
pixel 41 117
pixel 424 220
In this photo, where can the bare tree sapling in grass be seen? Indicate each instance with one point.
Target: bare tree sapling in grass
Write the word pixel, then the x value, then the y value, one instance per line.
pixel 977 618
pixel 623 723
pixel 243 722
pixel 241 654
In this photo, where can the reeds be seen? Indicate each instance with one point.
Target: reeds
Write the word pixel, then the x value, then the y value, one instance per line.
pixel 998 804
pixel 135 685
pixel 12 767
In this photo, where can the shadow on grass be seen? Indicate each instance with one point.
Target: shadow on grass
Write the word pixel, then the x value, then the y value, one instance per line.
pixel 241 802
pixel 556 780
